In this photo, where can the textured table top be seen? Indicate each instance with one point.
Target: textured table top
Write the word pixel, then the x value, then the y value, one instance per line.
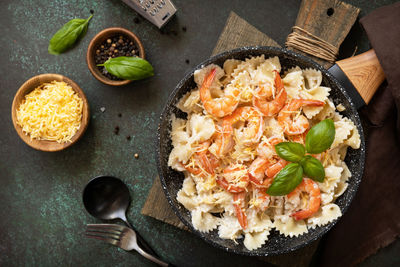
pixel 42 216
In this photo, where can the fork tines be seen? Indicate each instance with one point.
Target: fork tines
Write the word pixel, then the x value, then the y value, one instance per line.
pixel 110 233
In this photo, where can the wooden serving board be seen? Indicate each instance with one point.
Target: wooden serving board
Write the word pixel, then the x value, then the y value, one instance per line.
pixel 330 20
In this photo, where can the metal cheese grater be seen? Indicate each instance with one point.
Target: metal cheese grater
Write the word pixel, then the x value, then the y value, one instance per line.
pixel 158 12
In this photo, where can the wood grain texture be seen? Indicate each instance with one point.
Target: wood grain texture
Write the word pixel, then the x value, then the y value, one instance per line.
pixel 157 206
pixel 316 17
pixel 30 85
pixel 365 73
pixel 237 33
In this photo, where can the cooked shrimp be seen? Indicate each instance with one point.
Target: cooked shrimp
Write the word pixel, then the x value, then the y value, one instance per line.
pixel 257 170
pixel 297 124
pixel 239 204
pixel 259 167
pixel 311 188
pixel 276 167
pixel 262 95
pixel 219 107
pixel 262 198
pixel 254 126
pixel 299 138
pixel 235 178
pixel 266 148
pixel 266 172
pixel 203 162
pixel 223 141
pixel 252 132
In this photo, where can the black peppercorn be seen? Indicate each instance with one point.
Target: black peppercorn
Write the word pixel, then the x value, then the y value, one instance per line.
pixel 108 49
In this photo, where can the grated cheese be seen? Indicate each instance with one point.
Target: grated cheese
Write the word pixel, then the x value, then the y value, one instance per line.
pixel 52 111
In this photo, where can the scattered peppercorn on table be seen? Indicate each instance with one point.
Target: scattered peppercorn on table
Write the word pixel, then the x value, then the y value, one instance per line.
pixel 43 218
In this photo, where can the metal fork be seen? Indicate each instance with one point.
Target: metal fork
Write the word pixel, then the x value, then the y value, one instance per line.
pixel 119 236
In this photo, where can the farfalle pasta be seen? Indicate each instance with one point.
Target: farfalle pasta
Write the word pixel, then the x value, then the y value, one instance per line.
pixel 225 148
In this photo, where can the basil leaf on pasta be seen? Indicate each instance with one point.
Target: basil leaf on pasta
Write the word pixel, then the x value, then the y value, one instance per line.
pixel 320 137
pixel 286 180
pixel 313 168
pixel 290 151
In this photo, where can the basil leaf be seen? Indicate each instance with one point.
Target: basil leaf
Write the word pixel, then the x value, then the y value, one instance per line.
pixel 320 137
pixel 67 36
pixel 313 168
pixel 286 180
pixel 129 68
pixel 290 151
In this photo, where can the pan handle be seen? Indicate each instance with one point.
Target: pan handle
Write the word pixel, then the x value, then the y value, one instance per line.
pixel 365 73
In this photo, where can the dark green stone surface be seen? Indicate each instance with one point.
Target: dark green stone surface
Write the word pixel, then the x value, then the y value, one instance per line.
pixel 42 219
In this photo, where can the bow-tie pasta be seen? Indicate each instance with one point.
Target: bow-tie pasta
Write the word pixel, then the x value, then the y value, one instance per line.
pixel 225 148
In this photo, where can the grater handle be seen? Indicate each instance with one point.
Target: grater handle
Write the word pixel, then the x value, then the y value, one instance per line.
pixel 158 12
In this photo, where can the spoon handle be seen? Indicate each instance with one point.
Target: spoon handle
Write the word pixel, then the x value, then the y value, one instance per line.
pixel 141 242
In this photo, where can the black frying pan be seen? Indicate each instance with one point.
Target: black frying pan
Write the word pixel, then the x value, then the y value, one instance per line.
pixel 172 180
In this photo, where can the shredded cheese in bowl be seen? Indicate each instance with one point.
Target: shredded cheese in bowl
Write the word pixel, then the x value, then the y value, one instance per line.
pixel 52 111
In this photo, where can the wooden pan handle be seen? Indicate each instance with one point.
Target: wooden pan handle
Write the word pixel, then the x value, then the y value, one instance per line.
pixel 365 73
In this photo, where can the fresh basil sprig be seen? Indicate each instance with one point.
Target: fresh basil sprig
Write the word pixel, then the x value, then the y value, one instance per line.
pixel 290 151
pixel 129 68
pixel 313 168
pixel 68 35
pixel 318 139
pixel 286 180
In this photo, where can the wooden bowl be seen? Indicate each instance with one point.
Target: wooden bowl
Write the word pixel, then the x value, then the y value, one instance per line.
pixel 30 85
pixel 100 38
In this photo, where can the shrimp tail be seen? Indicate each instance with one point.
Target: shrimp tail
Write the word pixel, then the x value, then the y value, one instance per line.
pixel 208 80
pixel 240 214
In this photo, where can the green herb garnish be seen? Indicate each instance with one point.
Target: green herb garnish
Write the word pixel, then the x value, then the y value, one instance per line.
pixel 68 35
pixel 313 168
pixel 318 139
pixel 129 68
pixel 290 151
pixel 286 180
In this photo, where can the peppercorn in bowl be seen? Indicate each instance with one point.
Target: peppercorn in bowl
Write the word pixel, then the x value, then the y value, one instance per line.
pixel 112 43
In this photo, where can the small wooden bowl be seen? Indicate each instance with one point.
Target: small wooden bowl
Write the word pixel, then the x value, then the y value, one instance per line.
pixel 29 86
pixel 100 38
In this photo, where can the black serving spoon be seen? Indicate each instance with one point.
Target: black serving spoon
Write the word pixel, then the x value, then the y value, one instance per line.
pixel 108 198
